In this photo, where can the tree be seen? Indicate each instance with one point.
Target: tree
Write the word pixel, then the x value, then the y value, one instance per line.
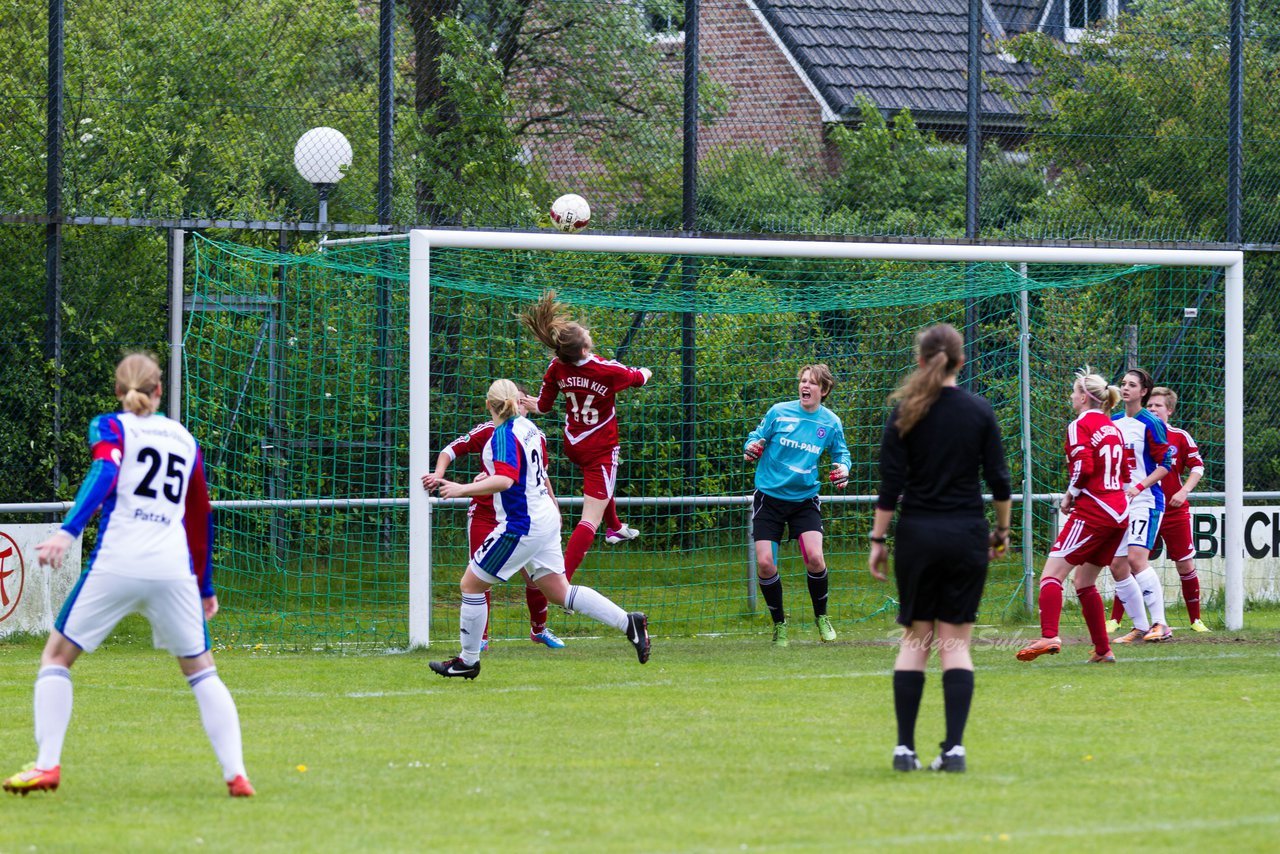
pixel 569 79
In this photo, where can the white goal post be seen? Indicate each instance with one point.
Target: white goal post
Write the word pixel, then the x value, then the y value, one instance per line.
pixel 422 241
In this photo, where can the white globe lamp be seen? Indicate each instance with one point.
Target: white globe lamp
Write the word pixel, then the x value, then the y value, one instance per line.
pixel 322 157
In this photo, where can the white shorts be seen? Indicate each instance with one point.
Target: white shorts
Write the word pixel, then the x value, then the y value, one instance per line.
pixel 1144 528
pixel 503 554
pixel 100 600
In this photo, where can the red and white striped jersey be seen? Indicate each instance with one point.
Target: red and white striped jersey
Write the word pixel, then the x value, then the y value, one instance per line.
pixel 473 442
pixel 1098 465
pixel 589 388
pixel 1186 457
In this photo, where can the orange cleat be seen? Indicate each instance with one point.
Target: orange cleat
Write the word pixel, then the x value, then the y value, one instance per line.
pixel 1159 632
pixel 1132 636
pixel 1039 647
pixel 240 787
pixel 33 779
pixel 1107 657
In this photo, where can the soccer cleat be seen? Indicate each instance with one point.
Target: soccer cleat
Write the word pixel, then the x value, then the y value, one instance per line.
pixel 825 629
pixel 484 645
pixel 1107 657
pixel 456 667
pixel 638 634
pixel 1039 647
pixel 33 779
pixel 240 787
pixel 1199 626
pixel 1159 632
pixel 952 761
pixel 905 759
pixel 1133 636
pixel 548 638
pixel 780 634
pixel 613 536
pixel 1113 626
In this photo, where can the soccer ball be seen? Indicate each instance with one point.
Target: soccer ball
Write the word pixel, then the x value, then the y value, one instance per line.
pixel 570 213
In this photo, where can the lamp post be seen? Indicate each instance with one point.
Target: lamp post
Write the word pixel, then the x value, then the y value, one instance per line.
pixel 322 156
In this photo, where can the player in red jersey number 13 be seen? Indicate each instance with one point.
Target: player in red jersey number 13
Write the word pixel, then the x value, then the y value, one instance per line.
pixel 1098 517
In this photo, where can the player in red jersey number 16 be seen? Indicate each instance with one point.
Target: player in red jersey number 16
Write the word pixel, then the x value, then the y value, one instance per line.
pixel 589 385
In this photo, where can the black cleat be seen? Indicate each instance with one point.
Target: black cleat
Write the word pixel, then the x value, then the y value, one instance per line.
pixel 905 759
pixel 638 634
pixel 456 667
pixel 950 760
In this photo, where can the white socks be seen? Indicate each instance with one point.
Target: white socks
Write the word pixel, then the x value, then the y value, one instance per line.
pixel 1130 593
pixel 595 605
pixel 220 718
pixel 1152 594
pixel 471 621
pixel 53 714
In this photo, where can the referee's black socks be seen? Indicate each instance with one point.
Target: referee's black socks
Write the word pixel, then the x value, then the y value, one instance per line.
pixel 957 695
pixel 908 688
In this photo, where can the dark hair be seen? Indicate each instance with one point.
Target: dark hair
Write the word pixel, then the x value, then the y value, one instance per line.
pixel 1144 380
pixel 551 323
pixel 940 349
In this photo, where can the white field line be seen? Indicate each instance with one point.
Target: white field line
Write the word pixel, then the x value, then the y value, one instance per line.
pixel 1093 831
pixel 1008 835
pixel 624 684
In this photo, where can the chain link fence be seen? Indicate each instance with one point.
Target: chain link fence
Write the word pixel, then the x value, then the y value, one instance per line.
pixel 818 117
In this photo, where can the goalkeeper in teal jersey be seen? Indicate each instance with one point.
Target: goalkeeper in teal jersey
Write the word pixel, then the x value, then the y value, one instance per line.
pixel 787 446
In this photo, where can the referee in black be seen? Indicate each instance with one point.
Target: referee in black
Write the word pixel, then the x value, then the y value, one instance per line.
pixel 935 441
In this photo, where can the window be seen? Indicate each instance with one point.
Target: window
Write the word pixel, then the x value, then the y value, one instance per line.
pixel 664 18
pixel 1081 14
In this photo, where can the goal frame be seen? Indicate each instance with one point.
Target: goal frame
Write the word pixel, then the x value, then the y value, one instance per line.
pixel 422 241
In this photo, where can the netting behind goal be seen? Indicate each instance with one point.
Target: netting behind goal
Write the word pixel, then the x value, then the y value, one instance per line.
pixel 297 384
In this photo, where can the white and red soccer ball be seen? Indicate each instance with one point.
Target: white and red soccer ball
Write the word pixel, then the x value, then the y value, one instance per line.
pixel 570 213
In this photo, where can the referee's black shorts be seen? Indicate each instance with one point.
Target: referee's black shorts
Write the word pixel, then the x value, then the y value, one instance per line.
pixel 940 564
pixel 770 517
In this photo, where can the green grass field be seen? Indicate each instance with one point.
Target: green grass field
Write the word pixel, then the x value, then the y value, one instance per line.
pixel 717 745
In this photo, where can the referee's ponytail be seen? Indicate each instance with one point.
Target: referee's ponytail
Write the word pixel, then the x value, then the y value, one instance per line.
pixel 939 356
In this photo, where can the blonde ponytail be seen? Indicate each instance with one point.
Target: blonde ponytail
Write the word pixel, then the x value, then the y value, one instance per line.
pixel 137 378
pixel 1097 389
pixel 503 400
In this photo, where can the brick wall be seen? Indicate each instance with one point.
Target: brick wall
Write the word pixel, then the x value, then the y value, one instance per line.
pixel 767 107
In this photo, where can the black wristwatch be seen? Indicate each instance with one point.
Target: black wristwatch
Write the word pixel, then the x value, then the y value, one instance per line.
pixel 873 538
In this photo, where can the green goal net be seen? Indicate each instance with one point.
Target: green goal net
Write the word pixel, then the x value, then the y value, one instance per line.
pixel 297 382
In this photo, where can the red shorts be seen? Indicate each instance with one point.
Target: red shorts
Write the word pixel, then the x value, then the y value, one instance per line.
pixel 1175 533
pixel 599 470
pixel 1087 539
pixel 479 525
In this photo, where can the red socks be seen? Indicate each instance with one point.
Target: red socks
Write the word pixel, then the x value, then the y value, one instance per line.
pixel 1117 609
pixel 1095 618
pixel 488 603
pixel 537 603
pixel 1191 594
pixel 579 542
pixel 1050 607
pixel 611 520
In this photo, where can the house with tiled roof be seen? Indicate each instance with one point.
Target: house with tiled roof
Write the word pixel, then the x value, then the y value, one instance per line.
pixel 786 71
pixel 909 54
